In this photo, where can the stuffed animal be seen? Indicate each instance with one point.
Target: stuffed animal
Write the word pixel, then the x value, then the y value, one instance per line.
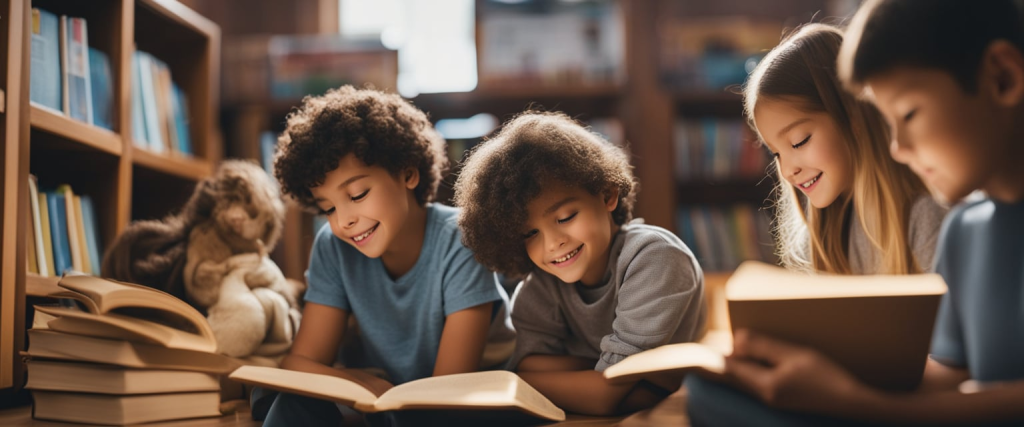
pixel 213 254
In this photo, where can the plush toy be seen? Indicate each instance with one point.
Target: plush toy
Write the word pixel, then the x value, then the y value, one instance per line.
pixel 213 254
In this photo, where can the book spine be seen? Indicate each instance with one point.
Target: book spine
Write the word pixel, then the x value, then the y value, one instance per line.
pixel 83 247
pixel 79 90
pixel 102 96
pixel 71 222
pixel 37 228
pixel 92 237
pixel 59 233
pixel 45 85
pixel 139 138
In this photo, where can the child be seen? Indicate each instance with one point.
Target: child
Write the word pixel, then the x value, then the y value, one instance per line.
pixel 550 200
pixel 949 78
pixel 371 163
pixel 867 214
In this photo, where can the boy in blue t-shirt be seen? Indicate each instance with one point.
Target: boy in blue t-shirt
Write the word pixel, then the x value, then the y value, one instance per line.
pixel 371 163
pixel 948 75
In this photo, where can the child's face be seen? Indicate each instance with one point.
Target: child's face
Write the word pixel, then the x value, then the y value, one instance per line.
pixel 810 150
pixel 946 135
pixel 365 205
pixel 568 232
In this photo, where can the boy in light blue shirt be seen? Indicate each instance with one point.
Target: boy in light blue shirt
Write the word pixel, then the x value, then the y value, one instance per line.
pixel 371 163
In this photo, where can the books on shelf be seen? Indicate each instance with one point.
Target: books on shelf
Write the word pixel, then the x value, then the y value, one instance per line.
pixel 722 237
pixel 77 93
pixel 102 89
pixel 476 391
pixel 878 327
pixel 65 231
pixel 159 107
pixel 45 84
pixel 712 149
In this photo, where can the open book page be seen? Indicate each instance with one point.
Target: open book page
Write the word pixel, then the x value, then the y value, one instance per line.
pixel 475 390
pixel 104 296
pixel 759 281
pixel 306 384
pixel 112 325
pixel 50 344
pixel 667 359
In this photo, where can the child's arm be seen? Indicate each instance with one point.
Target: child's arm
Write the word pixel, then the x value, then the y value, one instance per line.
pixel 797 378
pixel 316 346
pixel 462 340
pixel 583 392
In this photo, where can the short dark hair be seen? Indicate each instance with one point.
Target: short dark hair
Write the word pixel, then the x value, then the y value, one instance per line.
pixel 503 174
pixel 379 128
pixel 947 35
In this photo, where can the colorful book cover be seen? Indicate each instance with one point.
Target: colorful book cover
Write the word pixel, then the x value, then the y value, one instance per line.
pixel 181 119
pixel 150 113
pixel 37 228
pixel 44 226
pixel 83 247
pixel 56 206
pixel 71 222
pixel 102 91
pixel 92 234
pixel 79 92
pixel 45 86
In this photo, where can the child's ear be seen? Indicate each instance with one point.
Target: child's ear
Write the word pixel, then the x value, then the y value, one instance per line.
pixel 411 177
pixel 611 198
pixel 1003 66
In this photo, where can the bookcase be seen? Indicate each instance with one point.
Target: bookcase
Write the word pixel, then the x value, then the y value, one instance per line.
pixel 125 182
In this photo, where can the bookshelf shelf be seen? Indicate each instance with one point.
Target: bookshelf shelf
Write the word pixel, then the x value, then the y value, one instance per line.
pixel 751 191
pixel 85 134
pixel 178 166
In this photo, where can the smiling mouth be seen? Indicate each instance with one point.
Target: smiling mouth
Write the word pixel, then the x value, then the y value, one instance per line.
pixel 808 184
pixel 360 237
pixel 567 256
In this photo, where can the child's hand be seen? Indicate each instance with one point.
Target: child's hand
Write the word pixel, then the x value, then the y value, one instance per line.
pixel 789 376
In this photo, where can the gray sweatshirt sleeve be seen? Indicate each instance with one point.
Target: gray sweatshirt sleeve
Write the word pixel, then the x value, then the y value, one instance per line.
pixel 661 300
pixel 537 318
pixel 925 221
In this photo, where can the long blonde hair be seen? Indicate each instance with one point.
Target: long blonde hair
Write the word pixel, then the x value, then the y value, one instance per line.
pixel 802 68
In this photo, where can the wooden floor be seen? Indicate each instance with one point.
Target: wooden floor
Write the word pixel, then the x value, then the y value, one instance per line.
pixel 670 412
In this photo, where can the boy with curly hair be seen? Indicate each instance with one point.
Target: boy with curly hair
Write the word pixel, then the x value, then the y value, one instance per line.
pixel 548 199
pixel 371 163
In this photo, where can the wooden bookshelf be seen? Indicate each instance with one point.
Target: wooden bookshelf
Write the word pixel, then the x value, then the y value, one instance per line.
pixel 124 182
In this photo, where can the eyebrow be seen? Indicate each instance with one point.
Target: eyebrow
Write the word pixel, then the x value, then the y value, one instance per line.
pixel 556 205
pixel 343 185
pixel 790 126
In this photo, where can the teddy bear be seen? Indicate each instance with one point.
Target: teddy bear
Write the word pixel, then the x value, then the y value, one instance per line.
pixel 213 254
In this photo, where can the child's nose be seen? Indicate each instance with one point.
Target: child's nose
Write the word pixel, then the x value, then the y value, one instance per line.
pixel 556 241
pixel 900 151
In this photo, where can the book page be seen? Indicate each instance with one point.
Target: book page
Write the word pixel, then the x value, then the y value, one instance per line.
pixel 307 384
pixel 476 390
pixel 759 281
pixel 667 359
pixel 113 325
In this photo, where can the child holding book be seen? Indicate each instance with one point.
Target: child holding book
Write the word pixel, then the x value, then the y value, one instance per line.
pixel 949 78
pixel 371 163
pixel 548 199
pixel 844 206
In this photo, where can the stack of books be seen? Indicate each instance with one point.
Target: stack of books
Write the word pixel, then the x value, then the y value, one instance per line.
pixel 122 354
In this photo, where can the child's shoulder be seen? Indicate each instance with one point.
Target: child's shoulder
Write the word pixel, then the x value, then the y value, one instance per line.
pixel 639 241
pixel 443 225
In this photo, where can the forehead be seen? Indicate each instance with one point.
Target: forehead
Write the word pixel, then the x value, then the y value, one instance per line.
pixel 551 194
pixel 901 82
pixel 773 115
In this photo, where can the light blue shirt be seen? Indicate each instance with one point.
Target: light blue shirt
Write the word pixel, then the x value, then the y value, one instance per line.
pixel 401 320
pixel 980 325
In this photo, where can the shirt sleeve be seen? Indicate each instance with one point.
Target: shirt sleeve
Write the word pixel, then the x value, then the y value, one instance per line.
pixel 466 282
pixel 324 277
pixel 947 340
pixel 925 222
pixel 538 321
pixel 661 299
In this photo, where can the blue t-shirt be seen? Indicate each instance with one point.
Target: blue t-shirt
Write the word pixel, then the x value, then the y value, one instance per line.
pixel 980 325
pixel 401 320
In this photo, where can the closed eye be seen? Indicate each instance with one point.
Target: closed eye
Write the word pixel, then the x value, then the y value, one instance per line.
pixel 910 115
pixel 326 212
pixel 360 196
pixel 529 234
pixel 801 143
pixel 569 218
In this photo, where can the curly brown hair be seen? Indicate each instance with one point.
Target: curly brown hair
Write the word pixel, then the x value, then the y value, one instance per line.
pixel 380 129
pixel 503 174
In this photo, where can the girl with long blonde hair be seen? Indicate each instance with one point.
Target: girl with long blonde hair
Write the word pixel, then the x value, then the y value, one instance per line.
pixel 843 204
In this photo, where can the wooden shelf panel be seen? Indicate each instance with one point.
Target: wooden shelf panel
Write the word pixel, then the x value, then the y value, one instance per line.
pixel 740 190
pixel 704 102
pixel 182 167
pixel 75 131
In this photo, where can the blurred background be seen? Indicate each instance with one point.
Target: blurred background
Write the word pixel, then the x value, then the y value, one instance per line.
pixel 658 77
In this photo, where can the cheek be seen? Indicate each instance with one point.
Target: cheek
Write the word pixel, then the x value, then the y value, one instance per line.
pixel 535 250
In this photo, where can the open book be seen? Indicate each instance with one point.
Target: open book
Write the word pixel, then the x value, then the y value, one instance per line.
pixel 129 312
pixel 878 327
pixel 489 390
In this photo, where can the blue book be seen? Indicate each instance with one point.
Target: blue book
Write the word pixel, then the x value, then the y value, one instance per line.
pixel 268 144
pixel 138 117
pixel 45 86
pixel 78 96
pixel 102 92
pixel 92 237
pixel 55 203
pixel 180 105
pixel 150 113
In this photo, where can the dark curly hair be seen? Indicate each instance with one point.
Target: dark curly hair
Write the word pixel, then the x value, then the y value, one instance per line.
pixel 379 128
pixel 503 174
